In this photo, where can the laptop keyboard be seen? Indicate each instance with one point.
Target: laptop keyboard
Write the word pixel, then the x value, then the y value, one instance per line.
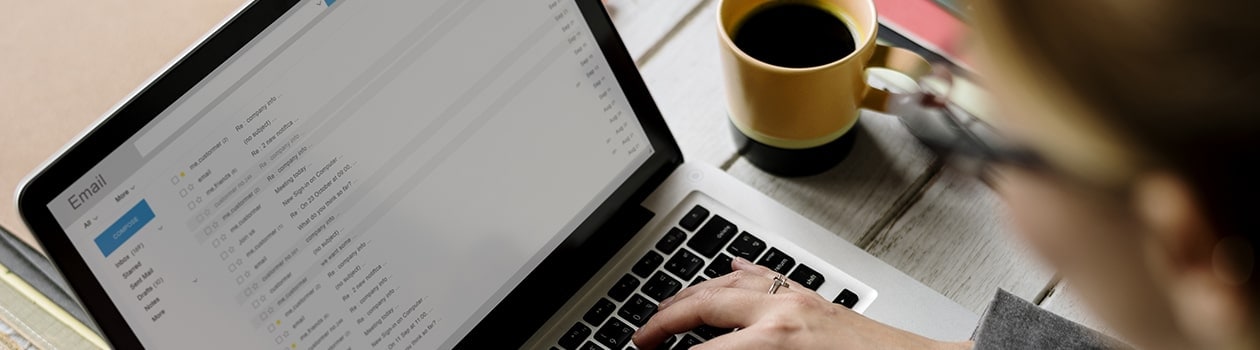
pixel 701 246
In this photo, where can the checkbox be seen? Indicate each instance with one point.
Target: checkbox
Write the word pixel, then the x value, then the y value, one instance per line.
pixel 183 193
pixel 215 225
pixel 208 230
pixel 190 187
pixel 232 268
pixel 198 200
pixel 175 180
pixel 223 256
pixel 192 205
pixel 271 328
pixel 279 339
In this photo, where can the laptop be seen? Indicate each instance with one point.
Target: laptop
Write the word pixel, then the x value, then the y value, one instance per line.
pixel 412 175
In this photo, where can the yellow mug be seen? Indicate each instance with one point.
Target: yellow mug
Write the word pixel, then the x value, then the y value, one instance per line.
pixel 798 121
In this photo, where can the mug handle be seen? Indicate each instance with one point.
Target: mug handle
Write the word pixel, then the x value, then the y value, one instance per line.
pixel 896 59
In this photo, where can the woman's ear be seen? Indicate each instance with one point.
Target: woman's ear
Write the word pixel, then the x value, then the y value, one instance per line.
pixel 1198 266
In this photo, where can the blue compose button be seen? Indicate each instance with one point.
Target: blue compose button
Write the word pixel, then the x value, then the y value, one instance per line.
pixel 124 228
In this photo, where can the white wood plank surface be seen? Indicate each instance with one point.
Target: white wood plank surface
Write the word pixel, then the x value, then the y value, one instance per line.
pixel 956 240
pixel 1064 302
pixel 685 80
pixel 852 197
pixel 644 23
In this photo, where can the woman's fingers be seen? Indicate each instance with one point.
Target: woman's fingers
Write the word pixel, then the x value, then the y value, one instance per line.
pixel 718 307
pixel 740 264
pixel 738 279
pixel 739 340
pixel 731 301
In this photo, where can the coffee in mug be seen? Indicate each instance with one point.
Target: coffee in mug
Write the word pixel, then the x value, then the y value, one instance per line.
pixel 795 78
pixel 794 35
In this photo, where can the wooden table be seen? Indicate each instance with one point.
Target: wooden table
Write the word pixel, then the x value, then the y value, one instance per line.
pixel 63 63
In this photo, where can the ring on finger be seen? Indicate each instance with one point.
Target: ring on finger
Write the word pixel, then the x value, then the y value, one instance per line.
pixel 779 282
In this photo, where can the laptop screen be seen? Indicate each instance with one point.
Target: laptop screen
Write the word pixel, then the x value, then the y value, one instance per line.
pixel 361 174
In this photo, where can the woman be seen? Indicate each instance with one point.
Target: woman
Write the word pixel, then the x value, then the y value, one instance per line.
pixel 1141 114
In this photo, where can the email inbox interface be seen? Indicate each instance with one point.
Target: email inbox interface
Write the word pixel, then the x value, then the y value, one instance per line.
pixel 365 174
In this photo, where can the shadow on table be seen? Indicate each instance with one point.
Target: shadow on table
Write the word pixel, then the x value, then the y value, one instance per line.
pixel 885 165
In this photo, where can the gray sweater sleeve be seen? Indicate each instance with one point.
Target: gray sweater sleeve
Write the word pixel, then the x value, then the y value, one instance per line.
pixel 1012 323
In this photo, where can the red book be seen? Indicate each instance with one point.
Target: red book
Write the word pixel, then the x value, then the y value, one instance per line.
pixel 929 25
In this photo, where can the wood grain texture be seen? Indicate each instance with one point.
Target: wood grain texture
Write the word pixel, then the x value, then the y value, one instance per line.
pixel 643 24
pixel 686 81
pixel 65 63
pixel 855 195
pixel 956 240
pixel 1064 302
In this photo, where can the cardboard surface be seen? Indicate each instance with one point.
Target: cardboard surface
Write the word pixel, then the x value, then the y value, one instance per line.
pixel 64 63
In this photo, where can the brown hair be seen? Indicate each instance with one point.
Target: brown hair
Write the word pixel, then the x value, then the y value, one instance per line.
pixel 1177 80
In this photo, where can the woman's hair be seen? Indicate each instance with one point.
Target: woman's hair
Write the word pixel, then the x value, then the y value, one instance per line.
pixel 1178 80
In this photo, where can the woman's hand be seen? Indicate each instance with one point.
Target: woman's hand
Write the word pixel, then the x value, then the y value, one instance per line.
pixel 792 318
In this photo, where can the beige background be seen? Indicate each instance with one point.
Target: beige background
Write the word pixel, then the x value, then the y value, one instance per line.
pixel 64 63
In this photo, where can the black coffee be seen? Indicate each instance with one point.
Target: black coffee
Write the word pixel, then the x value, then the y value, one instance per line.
pixel 794 35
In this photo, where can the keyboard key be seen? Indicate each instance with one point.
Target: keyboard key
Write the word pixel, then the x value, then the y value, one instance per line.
pixel 720 266
pixel 614 334
pixel 661 286
pixel 709 332
pixel 698 280
pixel 669 342
pixel 687 342
pixel 847 298
pixel 684 264
pixel 647 264
pixel 713 236
pixel 747 246
pixel 575 336
pixel 626 285
pixel 591 346
pixel 807 277
pixel 600 312
pixel 637 310
pixel 778 261
pixel 694 218
pixel 671 241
